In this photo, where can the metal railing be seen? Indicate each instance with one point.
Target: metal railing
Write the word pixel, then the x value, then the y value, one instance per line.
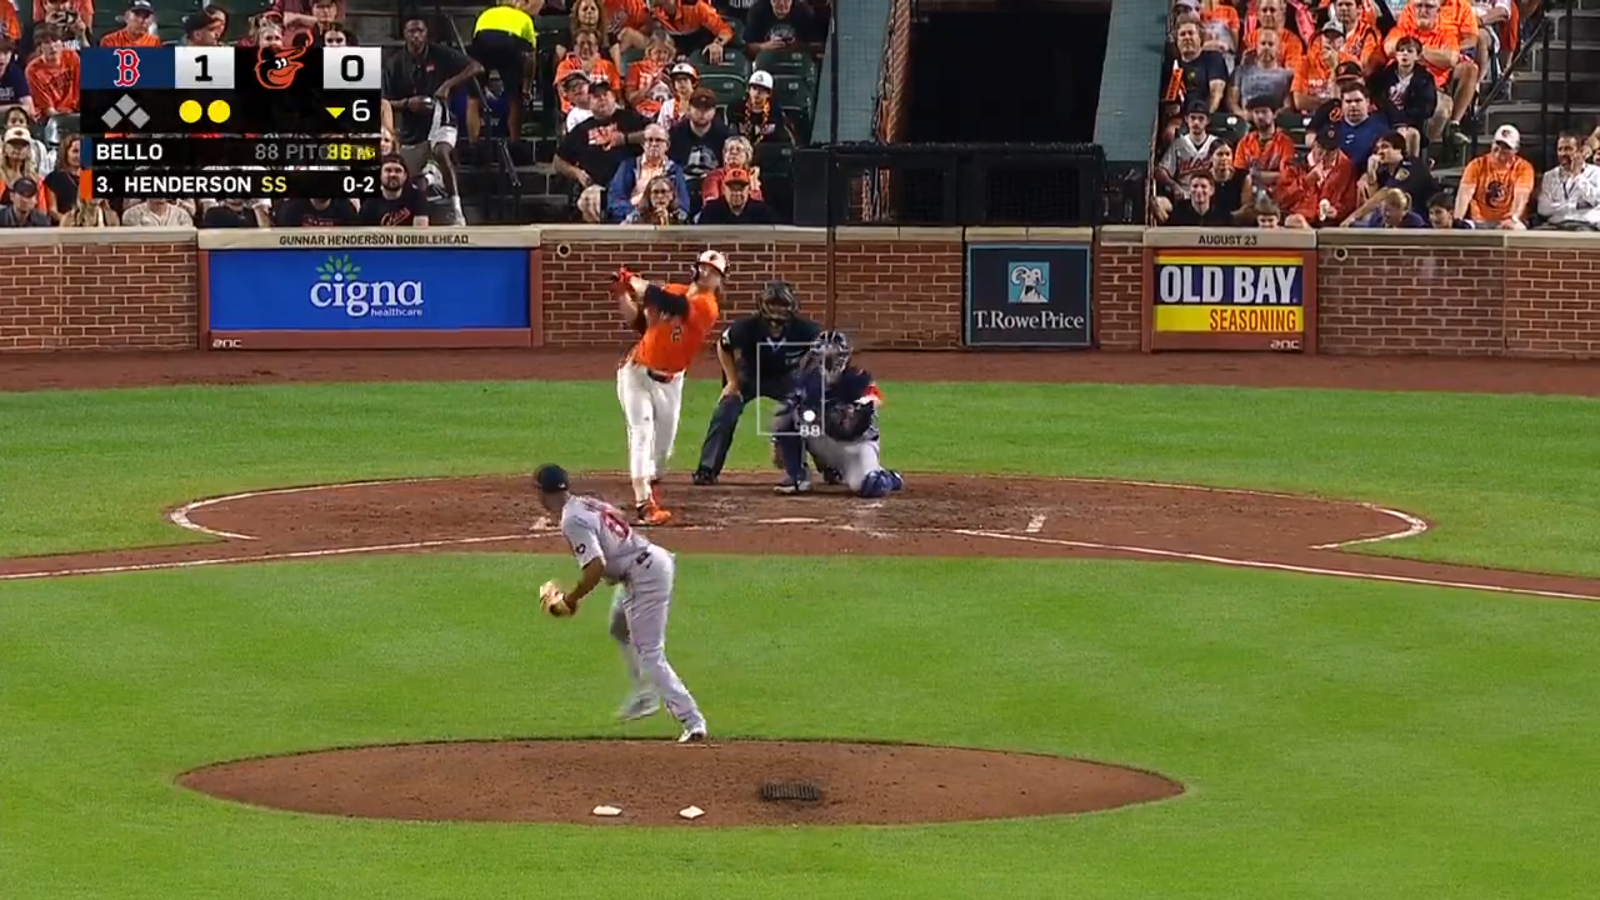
pixel 502 200
pixel 1536 34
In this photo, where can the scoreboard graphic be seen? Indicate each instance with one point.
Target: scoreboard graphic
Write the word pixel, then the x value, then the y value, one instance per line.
pixel 224 122
pixel 1236 299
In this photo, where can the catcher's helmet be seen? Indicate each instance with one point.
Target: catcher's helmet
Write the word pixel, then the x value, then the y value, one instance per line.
pixel 831 352
pixel 778 300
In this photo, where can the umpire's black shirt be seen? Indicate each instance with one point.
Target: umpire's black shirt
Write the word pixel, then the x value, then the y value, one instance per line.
pixel 779 356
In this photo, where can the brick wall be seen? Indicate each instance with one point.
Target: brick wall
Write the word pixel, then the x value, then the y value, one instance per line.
pixel 1388 293
pixel 895 78
pixel 1119 288
pixel 72 290
pixel 890 292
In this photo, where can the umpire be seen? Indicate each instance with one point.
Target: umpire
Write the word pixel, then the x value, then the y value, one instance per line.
pixel 759 355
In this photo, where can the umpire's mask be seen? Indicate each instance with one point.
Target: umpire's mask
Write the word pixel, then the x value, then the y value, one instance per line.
pixel 778 305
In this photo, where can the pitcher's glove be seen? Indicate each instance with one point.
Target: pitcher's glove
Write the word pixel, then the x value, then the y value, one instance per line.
pixel 553 601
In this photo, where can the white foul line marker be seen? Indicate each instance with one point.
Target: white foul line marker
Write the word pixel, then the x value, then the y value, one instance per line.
pixel 1036 524
pixel 266 557
pixel 1276 567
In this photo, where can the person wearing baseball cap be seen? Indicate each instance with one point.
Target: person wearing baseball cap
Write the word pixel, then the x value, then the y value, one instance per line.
pixel 574 90
pixel 682 80
pixel 1321 190
pixel 607 550
pixel 698 139
pixel 1495 187
pixel 138 27
pixel 755 115
pixel 735 206
pixel 23 211
pixel 586 57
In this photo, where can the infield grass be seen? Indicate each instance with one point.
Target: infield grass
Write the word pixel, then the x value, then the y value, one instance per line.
pixel 1338 739
pixel 1508 480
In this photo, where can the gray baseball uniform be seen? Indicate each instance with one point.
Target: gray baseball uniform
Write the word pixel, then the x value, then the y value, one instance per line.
pixel 643 573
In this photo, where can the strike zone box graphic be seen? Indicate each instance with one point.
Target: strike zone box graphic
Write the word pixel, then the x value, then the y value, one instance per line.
pixel 1236 299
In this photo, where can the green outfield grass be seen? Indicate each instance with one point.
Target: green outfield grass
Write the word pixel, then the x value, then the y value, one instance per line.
pixel 1339 739
pixel 1508 479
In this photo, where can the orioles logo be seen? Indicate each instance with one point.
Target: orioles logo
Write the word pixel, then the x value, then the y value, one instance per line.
pixel 275 69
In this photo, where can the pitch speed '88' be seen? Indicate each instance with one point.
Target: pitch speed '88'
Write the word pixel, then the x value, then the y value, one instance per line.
pixel 307 153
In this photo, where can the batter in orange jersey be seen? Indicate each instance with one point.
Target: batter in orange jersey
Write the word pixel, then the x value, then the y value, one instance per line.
pixel 673 322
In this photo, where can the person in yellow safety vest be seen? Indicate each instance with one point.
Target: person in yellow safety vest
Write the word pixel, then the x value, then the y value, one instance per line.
pixel 504 38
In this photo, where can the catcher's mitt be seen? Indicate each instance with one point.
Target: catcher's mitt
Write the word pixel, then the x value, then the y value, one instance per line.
pixel 553 601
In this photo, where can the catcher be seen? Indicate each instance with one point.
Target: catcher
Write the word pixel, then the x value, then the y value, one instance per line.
pixel 833 412
pixel 607 548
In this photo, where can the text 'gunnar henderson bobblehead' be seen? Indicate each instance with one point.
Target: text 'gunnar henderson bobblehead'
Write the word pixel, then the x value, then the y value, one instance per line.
pixel 232 122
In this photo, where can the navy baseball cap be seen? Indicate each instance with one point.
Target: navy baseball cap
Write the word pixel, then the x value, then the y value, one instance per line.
pixel 550 479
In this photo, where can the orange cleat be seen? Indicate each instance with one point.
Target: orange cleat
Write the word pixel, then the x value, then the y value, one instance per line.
pixel 652 514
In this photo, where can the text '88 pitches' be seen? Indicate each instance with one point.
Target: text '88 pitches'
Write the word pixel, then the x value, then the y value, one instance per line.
pixel 231 90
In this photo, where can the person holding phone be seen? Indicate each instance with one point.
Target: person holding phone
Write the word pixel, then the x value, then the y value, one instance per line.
pixel 780 25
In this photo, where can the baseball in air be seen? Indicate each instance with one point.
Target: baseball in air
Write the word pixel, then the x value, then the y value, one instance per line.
pixel 809 416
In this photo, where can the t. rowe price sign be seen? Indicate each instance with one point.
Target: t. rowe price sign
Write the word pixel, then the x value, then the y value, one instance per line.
pixel 1028 295
pixel 1246 297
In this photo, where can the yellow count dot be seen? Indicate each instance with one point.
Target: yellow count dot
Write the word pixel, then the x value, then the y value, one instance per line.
pixel 218 111
pixel 189 111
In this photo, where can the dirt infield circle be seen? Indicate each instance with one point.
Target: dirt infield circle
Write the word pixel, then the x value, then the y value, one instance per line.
pixel 937 515
pixel 652 781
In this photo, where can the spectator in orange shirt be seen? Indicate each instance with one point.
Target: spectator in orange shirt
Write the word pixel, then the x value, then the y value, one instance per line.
pixel 693 26
pixel 1362 41
pixel 53 75
pixel 586 58
pixel 1321 191
pixel 1496 186
pixel 43 8
pixel 138 27
pixel 648 83
pixel 64 15
pixel 10 24
pixel 1266 149
pixel 1314 82
pixel 1270 17
pixel 1454 75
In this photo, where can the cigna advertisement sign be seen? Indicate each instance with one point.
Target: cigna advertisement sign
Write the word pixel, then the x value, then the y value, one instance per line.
pixel 263 299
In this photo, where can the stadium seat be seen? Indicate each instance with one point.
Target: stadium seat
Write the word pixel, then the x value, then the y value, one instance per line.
pixel 787 62
pixel 726 86
pixel 1228 126
pixel 801 117
pixel 552 30
pixel 774 157
pixel 629 57
pixel 732 64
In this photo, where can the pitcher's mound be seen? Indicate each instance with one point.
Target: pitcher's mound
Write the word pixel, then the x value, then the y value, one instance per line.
pixel 651 781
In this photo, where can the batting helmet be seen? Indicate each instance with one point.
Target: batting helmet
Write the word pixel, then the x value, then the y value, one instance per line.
pixel 715 260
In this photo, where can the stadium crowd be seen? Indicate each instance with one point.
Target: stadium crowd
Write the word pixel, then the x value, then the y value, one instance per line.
pixel 670 111
pixel 1338 113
